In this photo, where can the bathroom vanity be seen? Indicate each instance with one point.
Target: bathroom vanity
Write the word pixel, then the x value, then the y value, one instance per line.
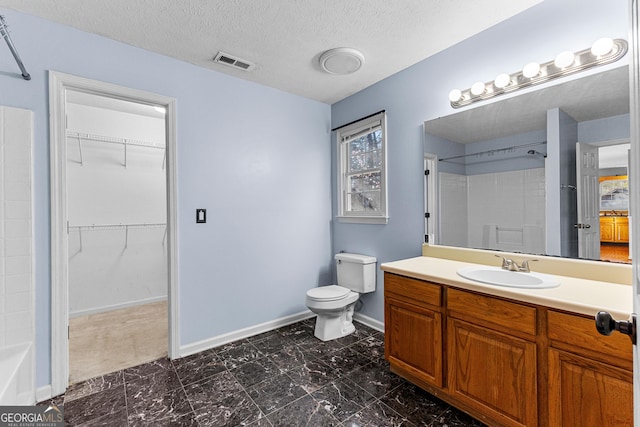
pixel 509 356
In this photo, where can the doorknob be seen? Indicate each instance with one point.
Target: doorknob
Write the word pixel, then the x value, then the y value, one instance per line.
pixel 581 225
pixel 606 324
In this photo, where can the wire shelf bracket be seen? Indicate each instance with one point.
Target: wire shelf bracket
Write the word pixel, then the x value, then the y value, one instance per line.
pixel 126 227
pixel 125 142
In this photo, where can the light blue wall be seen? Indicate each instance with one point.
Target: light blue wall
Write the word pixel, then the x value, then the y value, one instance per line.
pixel 607 129
pixel 420 93
pixel 493 155
pixel 256 158
pixel 518 159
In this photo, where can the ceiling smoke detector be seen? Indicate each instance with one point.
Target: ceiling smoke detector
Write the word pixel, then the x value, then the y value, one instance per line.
pixel 234 61
pixel 341 60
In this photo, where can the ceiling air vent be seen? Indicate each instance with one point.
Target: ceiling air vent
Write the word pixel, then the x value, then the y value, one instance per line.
pixel 233 61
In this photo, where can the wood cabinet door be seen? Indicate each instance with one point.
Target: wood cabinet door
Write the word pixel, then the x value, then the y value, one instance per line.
pixel 607 230
pixel 414 340
pixel 622 231
pixel 584 392
pixel 493 373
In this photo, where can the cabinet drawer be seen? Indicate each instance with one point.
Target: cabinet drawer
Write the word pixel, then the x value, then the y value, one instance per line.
pixel 491 312
pixel 581 335
pixel 413 290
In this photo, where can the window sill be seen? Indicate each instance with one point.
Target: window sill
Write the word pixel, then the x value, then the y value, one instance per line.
pixel 363 219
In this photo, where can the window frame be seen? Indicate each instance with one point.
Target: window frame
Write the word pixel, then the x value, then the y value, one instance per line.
pixel 343 136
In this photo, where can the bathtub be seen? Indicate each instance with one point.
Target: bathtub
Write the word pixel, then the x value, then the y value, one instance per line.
pixel 16 375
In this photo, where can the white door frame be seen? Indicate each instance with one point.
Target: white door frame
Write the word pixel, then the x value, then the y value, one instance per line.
pixel 58 85
pixel 634 182
pixel 431 199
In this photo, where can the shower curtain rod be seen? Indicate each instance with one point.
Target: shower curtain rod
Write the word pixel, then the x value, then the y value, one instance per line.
pixel 494 151
pixel 5 33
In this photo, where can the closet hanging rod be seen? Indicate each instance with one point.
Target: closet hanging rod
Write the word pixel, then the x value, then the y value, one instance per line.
pixel 4 31
pixel 494 151
pixel 125 227
pixel 114 140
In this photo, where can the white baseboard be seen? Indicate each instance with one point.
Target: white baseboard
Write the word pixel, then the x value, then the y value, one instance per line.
pixel 369 321
pixel 113 307
pixel 43 393
pixel 196 347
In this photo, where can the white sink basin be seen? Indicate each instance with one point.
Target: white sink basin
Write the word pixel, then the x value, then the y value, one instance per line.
pixel 513 279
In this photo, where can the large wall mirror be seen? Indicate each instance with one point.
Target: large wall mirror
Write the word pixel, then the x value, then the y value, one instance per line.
pixel 509 176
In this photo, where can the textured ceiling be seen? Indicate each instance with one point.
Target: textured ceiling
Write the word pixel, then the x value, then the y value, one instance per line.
pixel 284 38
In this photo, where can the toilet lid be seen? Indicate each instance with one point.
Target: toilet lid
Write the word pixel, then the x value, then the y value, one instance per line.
pixel 328 293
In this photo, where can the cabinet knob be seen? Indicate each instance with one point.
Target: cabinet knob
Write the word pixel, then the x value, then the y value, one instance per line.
pixel 606 325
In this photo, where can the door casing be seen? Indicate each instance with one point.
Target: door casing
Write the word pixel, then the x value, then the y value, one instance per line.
pixel 634 182
pixel 59 83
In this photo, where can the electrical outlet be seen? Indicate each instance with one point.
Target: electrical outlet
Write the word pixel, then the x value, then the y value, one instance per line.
pixel 201 216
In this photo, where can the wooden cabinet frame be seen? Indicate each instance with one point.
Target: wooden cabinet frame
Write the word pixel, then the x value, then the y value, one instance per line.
pixel 542 367
pixel 614 229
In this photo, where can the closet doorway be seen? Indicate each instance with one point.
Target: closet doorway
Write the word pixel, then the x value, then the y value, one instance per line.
pixel 113 232
pixel 116 207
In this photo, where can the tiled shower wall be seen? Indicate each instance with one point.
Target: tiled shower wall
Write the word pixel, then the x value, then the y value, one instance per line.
pixel 453 209
pixel 504 210
pixel 17 315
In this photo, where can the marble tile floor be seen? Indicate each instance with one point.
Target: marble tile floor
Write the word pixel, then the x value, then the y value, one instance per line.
pixel 285 377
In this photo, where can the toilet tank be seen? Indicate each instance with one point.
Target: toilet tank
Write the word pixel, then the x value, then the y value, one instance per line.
pixel 356 272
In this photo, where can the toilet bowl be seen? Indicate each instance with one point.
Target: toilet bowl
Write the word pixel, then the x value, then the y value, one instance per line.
pixel 334 304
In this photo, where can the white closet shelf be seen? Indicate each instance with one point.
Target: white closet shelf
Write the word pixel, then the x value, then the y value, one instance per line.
pixel 94 227
pixel 125 142
pixel 114 140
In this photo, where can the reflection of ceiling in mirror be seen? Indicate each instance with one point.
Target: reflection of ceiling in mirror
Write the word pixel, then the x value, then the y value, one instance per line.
pixel 593 97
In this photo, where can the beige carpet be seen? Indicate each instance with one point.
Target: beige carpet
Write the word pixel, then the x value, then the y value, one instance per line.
pixel 107 342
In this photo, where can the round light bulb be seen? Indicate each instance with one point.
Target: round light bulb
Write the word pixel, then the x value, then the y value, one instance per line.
pixel 455 95
pixel 477 88
pixel 503 80
pixel 531 70
pixel 602 47
pixel 564 59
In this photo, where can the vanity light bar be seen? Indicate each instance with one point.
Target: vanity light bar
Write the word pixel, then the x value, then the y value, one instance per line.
pixel 603 51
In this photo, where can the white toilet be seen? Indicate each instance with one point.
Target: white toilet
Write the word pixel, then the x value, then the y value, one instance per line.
pixel 334 304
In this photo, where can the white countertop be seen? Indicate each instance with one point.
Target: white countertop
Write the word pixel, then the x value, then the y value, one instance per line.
pixel 574 295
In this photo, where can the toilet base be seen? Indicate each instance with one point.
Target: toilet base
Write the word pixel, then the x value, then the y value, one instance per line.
pixel 330 326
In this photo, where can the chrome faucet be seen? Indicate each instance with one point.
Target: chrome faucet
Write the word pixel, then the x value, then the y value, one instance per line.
pixel 508 264
pixel 511 265
pixel 524 267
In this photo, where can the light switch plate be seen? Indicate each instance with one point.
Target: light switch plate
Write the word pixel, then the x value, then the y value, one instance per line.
pixel 201 216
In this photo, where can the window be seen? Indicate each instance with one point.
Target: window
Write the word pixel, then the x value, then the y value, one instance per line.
pixel 362 160
pixel 614 193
